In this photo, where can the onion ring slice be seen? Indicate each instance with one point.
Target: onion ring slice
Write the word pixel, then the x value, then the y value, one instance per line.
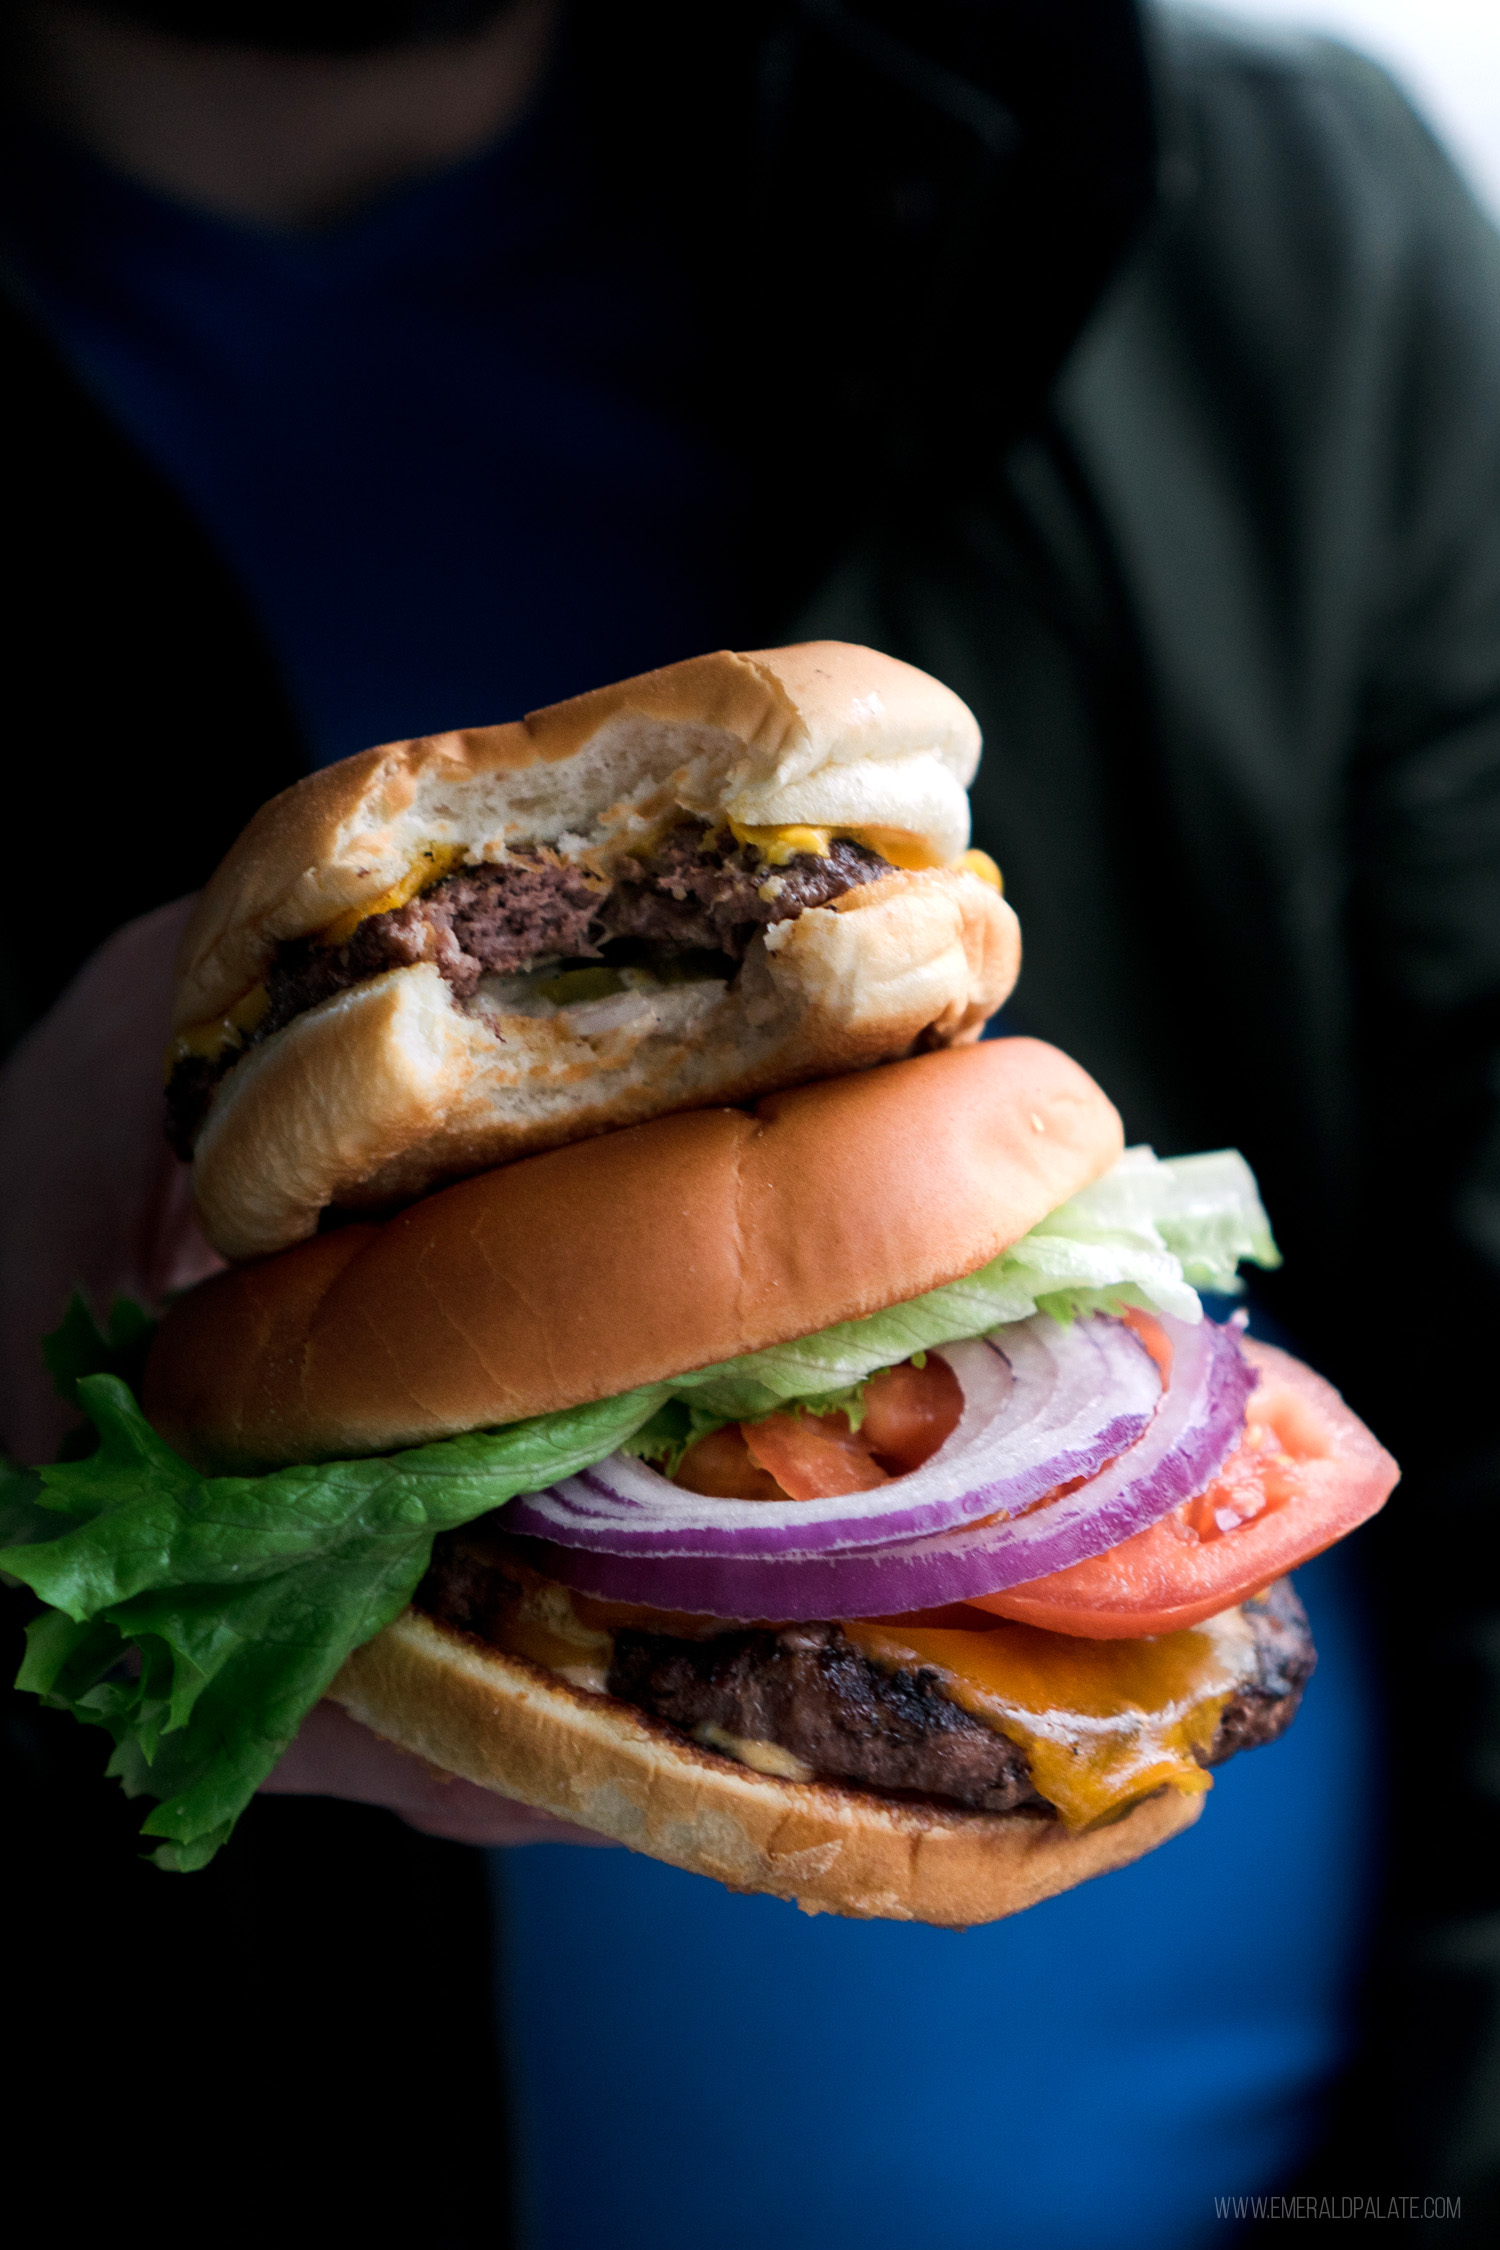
pixel 1043 1405
pixel 1198 1422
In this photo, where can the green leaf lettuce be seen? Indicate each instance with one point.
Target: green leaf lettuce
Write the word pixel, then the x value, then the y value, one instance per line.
pixel 198 1619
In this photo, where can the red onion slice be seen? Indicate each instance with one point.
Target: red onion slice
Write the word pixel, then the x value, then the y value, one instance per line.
pixel 1200 1418
pixel 1042 1405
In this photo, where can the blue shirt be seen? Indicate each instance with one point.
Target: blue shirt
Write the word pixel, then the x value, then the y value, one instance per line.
pixel 445 449
pixel 694 2068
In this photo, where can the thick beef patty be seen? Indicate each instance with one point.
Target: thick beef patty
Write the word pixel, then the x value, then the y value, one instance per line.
pixel 698 891
pixel 809 1690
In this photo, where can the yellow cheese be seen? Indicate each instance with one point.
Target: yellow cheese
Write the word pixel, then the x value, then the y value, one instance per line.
pixel 899 846
pixel 750 1750
pixel 979 863
pixel 777 845
pixel 207 1041
pixel 1102 1722
pixel 433 862
pixel 788 841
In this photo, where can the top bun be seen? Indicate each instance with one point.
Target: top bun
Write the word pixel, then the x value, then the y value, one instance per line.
pixel 629 1259
pixel 821 735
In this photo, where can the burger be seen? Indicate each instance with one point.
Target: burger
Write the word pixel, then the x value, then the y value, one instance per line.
pixel 843 1495
pixel 728 876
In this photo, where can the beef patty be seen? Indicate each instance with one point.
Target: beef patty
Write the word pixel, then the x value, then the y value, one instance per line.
pixel 698 891
pixel 809 1690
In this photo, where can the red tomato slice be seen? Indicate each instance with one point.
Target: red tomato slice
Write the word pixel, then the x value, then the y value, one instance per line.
pixel 813 1456
pixel 1306 1472
pixel 720 1465
pixel 909 1411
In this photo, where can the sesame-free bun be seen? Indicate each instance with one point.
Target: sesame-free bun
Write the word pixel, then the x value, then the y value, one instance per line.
pixel 629 1258
pixel 823 735
pixel 512 1727
pixel 393 1086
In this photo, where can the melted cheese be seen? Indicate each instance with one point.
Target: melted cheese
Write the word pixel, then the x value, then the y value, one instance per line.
pixel 979 863
pixel 776 846
pixel 761 1757
pixel 432 863
pixel 785 842
pixel 1102 1722
pixel 207 1041
pixel 545 1628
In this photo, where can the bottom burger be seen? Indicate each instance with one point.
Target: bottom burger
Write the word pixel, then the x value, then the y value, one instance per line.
pixel 932 1768
pixel 847 1499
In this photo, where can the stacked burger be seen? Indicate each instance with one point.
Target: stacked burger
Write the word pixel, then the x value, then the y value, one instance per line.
pixel 670 1373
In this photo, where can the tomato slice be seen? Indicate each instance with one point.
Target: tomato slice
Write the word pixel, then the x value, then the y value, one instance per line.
pixel 908 1413
pixel 1305 1473
pixel 813 1456
pixel 720 1466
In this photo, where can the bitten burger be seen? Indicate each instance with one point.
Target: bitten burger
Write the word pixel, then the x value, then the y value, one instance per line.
pixel 845 1497
pixel 734 874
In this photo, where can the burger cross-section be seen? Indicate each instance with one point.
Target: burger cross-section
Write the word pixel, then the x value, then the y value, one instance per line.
pixel 450 952
pixel 672 1374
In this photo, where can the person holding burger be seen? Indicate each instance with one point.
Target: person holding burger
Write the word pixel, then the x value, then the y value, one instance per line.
pixel 382 370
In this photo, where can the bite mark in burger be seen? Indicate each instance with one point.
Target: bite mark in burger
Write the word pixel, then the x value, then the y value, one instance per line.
pixel 850 1501
pixel 731 875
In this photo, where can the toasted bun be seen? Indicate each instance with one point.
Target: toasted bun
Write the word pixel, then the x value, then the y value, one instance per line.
pixel 822 734
pixel 629 1259
pixel 521 1731
pixel 390 1089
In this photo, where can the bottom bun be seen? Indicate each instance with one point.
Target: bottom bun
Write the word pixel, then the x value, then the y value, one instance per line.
pixel 526 1734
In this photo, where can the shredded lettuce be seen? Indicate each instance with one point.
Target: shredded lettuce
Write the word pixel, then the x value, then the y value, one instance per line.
pixel 198 1619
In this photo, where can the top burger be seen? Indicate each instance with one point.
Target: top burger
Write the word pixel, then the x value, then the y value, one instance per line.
pixel 719 879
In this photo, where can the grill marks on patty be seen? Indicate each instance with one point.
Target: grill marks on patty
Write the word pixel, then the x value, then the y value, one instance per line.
pixel 698 891
pixel 808 1689
pixel 811 1691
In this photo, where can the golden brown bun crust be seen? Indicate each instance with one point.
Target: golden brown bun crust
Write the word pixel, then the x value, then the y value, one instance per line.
pixel 630 1258
pixel 704 734
pixel 514 1728
pixel 390 1089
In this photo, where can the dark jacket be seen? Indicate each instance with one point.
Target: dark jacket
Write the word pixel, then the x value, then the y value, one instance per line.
pixel 1230 619
pixel 1224 591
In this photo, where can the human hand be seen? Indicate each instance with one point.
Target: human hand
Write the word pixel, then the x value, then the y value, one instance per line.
pixel 94 1198
pixel 334 1756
